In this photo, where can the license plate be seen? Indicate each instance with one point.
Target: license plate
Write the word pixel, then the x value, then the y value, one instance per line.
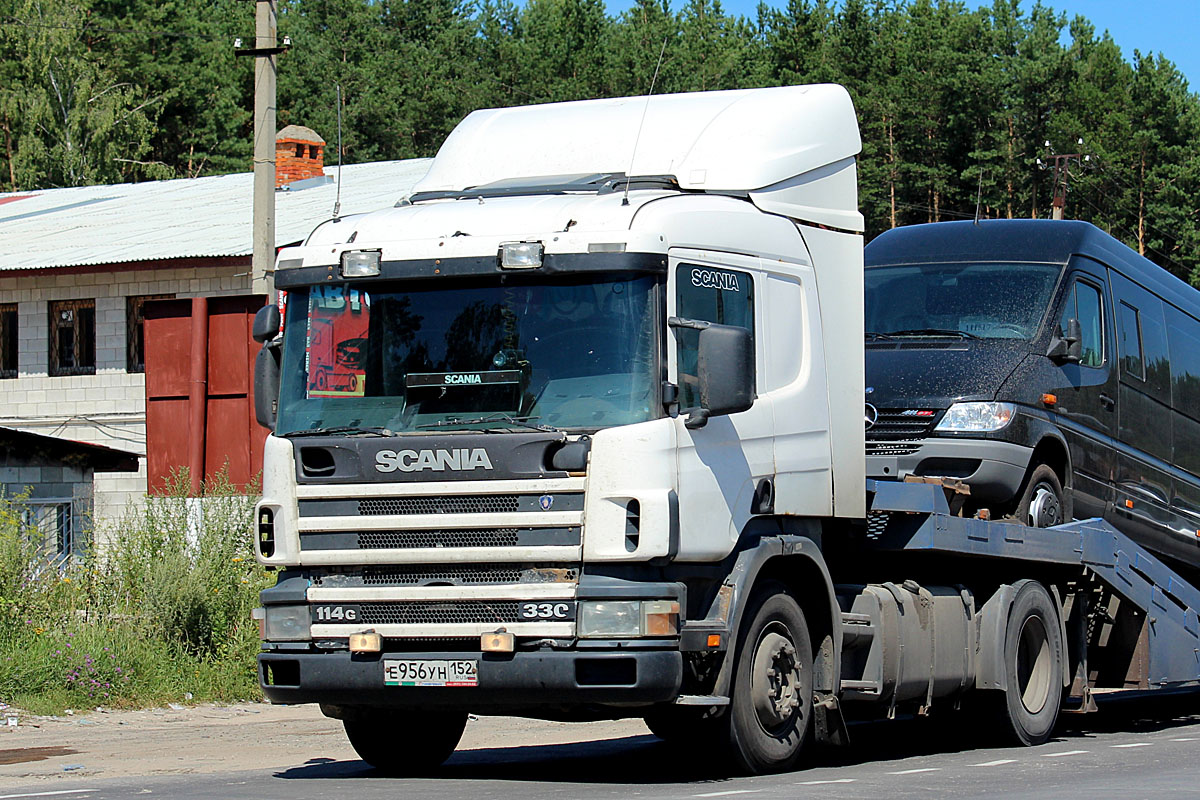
pixel 431 672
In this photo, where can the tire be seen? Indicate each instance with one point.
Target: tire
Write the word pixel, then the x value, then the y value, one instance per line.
pixel 406 742
pixel 770 712
pixel 1042 503
pixel 1033 666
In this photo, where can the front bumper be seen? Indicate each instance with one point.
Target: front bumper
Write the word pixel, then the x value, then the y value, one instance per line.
pixel 512 680
pixel 993 469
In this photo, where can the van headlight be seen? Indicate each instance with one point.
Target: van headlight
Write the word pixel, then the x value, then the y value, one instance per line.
pixel 628 618
pixel 977 417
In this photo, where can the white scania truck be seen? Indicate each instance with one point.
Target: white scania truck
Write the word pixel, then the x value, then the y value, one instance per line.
pixel 575 431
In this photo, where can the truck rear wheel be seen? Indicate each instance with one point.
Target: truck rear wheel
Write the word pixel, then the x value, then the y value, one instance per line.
pixel 406 742
pixel 770 709
pixel 1033 658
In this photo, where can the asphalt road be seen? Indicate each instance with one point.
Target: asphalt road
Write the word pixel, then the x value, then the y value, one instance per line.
pixel 1118 753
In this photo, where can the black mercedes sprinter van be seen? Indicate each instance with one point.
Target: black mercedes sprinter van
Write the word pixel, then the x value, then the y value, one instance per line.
pixel 1051 368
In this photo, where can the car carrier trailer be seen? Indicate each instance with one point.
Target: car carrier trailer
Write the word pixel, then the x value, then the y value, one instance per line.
pixel 604 458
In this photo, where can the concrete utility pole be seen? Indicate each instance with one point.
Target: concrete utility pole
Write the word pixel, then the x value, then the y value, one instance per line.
pixel 264 51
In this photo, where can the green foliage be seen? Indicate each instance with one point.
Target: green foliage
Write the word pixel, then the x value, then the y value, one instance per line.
pixel 954 102
pixel 162 609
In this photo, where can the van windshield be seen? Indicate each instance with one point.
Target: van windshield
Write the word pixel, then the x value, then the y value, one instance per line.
pixel 985 300
pixel 566 352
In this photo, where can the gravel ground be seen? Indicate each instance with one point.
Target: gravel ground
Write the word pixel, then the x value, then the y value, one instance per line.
pixel 211 738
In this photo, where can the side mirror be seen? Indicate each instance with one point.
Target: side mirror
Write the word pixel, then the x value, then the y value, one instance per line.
pixel 266 383
pixel 724 367
pixel 1067 349
pixel 266 324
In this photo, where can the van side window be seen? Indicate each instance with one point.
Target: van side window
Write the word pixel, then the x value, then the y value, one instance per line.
pixel 1083 304
pixel 713 295
pixel 1183 336
pixel 1131 342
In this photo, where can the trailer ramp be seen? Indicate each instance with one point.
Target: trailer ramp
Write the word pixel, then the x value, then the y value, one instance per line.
pixel 917 517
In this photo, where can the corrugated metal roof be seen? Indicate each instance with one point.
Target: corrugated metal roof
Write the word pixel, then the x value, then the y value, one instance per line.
pixel 183 218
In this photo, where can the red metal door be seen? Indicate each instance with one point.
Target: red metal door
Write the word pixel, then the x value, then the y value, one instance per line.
pixel 200 415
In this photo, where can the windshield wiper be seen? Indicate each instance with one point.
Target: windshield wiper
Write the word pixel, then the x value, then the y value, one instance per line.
pixel 934 332
pixel 522 422
pixel 340 430
pixel 878 335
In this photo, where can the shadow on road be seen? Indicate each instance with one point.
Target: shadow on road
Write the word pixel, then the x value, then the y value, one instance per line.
pixel 645 760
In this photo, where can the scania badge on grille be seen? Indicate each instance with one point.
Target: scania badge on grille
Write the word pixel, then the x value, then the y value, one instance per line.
pixel 545 501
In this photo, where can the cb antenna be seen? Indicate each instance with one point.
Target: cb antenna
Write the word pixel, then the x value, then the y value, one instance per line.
pixel 645 108
pixel 979 195
pixel 337 200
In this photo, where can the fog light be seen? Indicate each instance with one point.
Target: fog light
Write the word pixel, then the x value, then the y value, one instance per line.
pixel 498 642
pixel 366 642
pixel 520 255
pixel 660 618
pixel 360 263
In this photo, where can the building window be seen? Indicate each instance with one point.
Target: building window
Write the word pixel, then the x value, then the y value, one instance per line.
pixel 73 337
pixel 135 332
pixel 8 340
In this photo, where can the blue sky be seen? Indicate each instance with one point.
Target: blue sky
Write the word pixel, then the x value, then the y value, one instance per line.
pixel 1171 27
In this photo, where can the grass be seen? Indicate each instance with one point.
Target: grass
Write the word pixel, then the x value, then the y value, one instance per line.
pixel 160 614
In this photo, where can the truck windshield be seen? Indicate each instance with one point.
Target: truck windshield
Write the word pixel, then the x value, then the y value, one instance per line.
pixel 968 300
pixel 572 352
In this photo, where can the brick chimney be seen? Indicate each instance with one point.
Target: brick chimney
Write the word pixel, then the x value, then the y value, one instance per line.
pixel 299 154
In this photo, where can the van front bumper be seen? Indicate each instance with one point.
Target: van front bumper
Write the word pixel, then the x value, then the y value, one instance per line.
pixel 992 468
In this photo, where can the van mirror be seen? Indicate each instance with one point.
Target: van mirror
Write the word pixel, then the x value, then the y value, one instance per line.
pixel 266 323
pixel 266 384
pixel 1067 349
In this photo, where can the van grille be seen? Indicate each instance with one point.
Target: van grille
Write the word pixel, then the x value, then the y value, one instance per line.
pixel 900 431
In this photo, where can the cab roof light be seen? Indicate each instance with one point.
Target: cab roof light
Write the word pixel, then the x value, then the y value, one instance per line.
pixel 520 255
pixel 360 263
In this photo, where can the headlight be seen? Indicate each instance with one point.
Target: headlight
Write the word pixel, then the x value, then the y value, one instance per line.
pixel 627 618
pixel 977 417
pixel 286 624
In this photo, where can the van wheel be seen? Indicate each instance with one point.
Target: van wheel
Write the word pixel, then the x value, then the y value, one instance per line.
pixel 770 711
pixel 406 742
pixel 1041 504
pixel 1033 661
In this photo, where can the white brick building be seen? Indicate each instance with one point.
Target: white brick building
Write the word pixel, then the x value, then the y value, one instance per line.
pixel 77 264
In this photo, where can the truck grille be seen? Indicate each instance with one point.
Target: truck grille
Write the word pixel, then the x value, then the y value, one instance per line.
pixel 463 537
pixel 439 612
pixel 447 504
pixel 441 575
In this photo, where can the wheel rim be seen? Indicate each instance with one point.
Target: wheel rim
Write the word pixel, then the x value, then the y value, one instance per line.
pixel 1045 509
pixel 775 678
pixel 1034 665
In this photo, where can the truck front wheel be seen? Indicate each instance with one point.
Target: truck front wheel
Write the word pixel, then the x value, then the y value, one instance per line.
pixel 405 742
pixel 771 706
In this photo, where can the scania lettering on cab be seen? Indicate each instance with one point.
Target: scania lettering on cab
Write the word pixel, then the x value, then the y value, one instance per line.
pixel 603 456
